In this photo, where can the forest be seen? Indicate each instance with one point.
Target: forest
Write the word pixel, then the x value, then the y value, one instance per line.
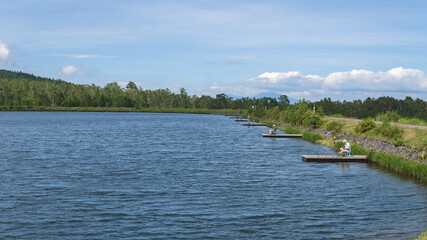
pixel 25 91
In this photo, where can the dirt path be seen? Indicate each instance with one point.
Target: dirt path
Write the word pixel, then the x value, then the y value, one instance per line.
pixel 393 124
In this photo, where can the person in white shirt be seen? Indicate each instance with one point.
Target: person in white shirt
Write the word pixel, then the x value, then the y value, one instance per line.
pixel 346 150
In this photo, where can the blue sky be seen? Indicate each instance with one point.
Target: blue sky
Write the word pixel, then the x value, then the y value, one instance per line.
pixel 305 49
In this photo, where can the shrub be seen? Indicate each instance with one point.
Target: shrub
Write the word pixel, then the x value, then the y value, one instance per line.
pixel 422 155
pixel 365 126
pixel 396 133
pixel 389 116
pixel 259 110
pixel 334 126
pixel 313 121
pixel 398 142
pixel 273 113
pixel 384 129
pixel 390 132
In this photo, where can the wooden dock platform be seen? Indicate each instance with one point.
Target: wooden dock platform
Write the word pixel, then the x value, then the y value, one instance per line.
pixel 334 158
pixel 282 135
pixel 253 124
pixel 241 120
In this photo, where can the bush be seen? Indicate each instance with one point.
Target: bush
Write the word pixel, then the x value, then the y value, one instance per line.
pixel 398 142
pixel 384 129
pixel 365 126
pixel 389 116
pixel 272 113
pixel 334 126
pixel 393 133
pixel 259 110
pixel 313 121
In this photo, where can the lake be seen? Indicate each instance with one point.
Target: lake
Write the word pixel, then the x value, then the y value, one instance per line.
pixel 70 175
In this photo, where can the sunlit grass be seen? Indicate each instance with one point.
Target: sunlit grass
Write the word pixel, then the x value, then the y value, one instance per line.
pixel 413 121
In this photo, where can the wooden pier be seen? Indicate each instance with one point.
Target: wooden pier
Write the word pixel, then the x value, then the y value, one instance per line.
pixel 334 158
pixel 253 124
pixel 282 135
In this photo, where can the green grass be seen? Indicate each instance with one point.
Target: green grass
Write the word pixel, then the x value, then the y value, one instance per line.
pixel 337 115
pixel 312 137
pixel 268 123
pixel 400 165
pixel 413 121
pixel 391 162
pixel 290 130
pixel 423 236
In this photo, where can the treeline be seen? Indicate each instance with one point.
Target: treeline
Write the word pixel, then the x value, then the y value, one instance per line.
pixel 371 107
pixel 22 90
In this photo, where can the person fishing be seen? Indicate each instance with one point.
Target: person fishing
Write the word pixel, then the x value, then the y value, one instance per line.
pixel 273 131
pixel 346 150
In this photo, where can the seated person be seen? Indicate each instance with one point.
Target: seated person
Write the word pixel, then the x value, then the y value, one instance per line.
pixel 273 131
pixel 346 150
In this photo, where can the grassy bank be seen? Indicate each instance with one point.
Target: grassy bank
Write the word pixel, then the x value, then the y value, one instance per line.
pixel 391 162
pixel 411 137
pixel 394 163
pixel 114 109
pixel 423 236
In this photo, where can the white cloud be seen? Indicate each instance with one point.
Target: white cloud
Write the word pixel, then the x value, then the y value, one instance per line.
pixel 286 79
pixel 396 79
pixel 4 51
pixel 361 83
pixel 70 70
pixel 6 57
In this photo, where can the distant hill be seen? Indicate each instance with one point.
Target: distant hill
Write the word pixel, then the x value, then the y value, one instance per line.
pixel 275 95
pixel 7 74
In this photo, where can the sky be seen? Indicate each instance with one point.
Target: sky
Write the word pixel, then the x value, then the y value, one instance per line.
pixel 307 49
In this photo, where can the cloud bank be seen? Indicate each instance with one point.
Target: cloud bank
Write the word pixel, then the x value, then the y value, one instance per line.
pixel 397 82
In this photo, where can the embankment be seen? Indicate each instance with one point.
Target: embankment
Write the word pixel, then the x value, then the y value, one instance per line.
pixel 399 160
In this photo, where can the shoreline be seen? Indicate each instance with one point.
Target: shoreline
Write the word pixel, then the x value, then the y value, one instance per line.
pixel 400 165
pixel 117 109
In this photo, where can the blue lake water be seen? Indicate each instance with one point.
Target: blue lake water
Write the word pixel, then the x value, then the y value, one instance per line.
pixel 70 175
